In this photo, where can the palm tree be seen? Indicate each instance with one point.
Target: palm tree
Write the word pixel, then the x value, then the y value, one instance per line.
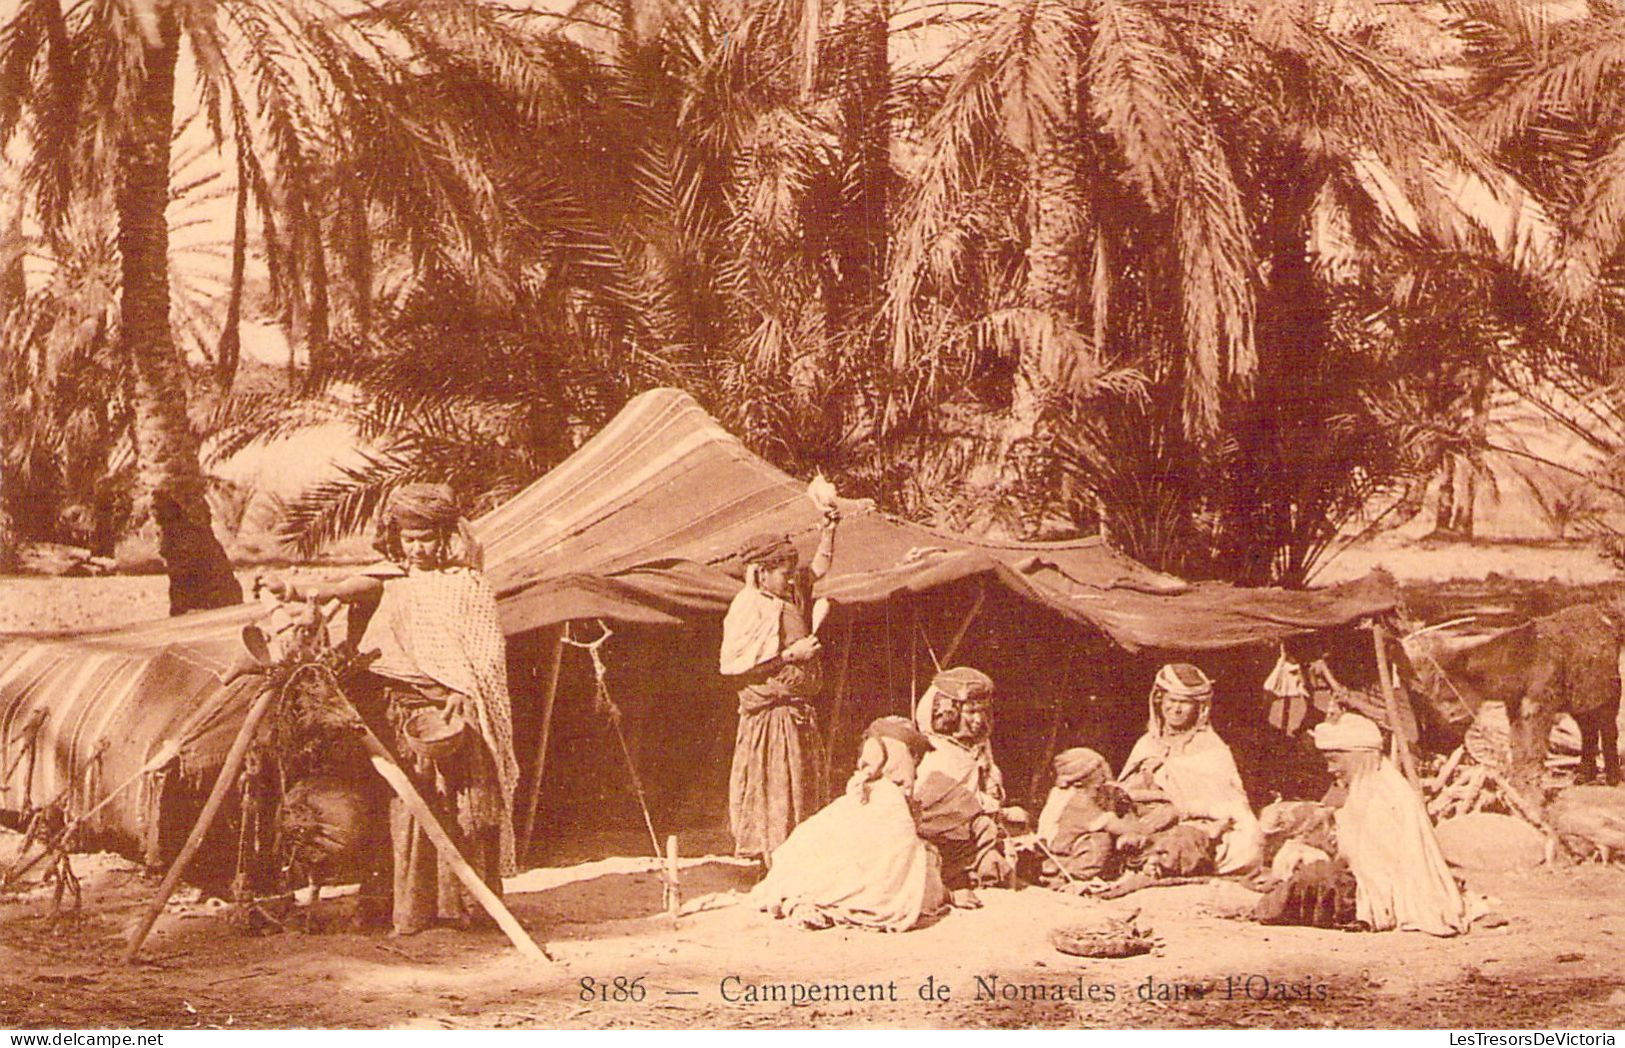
pixel 65 427
pixel 1538 83
pixel 1144 125
pixel 92 88
pixel 1200 178
pixel 1540 86
pixel 704 200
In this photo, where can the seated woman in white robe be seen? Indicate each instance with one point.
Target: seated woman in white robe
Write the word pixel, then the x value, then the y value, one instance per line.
pixel 1182 762
pixel 860 860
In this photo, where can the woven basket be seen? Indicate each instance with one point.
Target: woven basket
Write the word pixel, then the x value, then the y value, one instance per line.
pixel 1105 939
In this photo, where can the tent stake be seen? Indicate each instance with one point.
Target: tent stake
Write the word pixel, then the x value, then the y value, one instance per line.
pixel 548 697
pixel 674 891
pixel 222 786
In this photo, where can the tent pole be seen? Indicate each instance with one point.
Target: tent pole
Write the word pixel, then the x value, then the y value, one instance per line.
pixel 959 635
pixel 1402 748
pixel 384 763
pixel 528 824
pixel 913 648
pixel 925 638
pixel 891 684
pixel 222 786
pixel 837 712
pixel 1042 766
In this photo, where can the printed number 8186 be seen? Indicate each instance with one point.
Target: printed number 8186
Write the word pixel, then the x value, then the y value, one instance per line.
pixel 619 990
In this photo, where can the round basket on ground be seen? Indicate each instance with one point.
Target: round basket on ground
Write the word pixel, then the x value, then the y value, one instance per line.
pixel 1109 938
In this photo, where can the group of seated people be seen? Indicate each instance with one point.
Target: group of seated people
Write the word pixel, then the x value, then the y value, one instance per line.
pixel 1177 809
pixel 924 822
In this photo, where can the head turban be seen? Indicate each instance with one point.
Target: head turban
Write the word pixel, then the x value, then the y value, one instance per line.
pixel 1180 680
pixel 1079 766
pixel 900 729
pixel 958 685
pixel 1184 681
pixel 422 506
pixel 415 506
pixel 1348 732
pixel 963 683
pixel 768 549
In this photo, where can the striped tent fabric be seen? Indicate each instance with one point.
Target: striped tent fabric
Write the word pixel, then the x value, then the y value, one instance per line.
pixel 81 715
pixel 641 524
pixel 644 523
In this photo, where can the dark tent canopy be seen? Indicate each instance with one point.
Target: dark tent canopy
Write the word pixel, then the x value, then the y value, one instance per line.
pixel 643 524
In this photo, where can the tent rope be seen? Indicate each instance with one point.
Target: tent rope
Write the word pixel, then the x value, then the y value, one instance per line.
pixel 936 663
pixel 606 705
pixel 30 739
pixel 54 829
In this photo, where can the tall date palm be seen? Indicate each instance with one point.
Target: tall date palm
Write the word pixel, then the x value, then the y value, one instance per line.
pixel 91 90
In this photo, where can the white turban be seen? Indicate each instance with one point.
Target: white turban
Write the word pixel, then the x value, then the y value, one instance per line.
pixel 1181 680
pixel 1348 732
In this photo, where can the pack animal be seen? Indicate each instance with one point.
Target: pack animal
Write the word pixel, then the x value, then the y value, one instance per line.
pixel 1566 662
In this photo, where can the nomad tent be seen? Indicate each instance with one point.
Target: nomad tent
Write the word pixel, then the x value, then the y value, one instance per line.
pixel 639 529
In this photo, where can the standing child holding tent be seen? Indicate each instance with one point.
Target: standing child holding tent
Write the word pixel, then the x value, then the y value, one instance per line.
pixel 442 674
pixel 769 646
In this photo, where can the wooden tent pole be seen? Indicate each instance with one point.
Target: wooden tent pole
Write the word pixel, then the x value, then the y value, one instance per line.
pixel 211 807
pixel 837 712
pixel 964 627
pixel 528 824
pixel 1037 779
pixel 913 650
pixel 384 762
pixel 1402 748
pixel 31 729
pixel 891 683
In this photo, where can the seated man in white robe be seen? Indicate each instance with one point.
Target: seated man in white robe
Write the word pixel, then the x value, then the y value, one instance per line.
pixel 860 861
pixel 1386 850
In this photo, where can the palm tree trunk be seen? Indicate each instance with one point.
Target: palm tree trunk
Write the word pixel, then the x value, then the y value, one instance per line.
pixel 13 283
pixel 317 332
pixel 358 258
pixel 230 348
pixel 1054 273
pixel 866 149
pixel 1444 514
pixel 199 574
pixel 1461 521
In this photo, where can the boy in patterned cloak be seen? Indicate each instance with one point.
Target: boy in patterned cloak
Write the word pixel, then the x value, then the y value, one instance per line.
pixel 442 686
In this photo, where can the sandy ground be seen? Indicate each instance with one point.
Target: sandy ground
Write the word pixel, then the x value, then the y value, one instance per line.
pixel 1409 560
pixel 1553 963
